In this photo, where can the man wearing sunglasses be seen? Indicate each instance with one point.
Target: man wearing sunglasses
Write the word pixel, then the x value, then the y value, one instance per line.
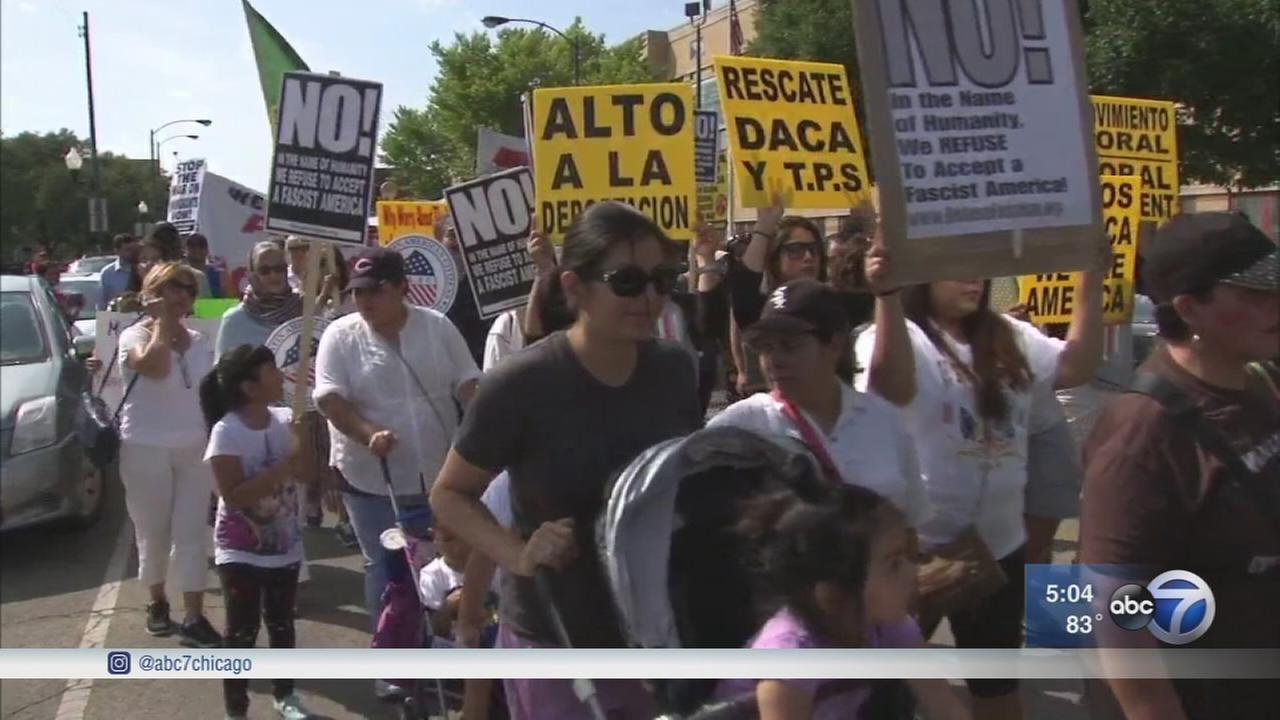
pixel 387 379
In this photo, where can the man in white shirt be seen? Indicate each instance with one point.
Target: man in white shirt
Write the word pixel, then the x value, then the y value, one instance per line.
pixel 391 379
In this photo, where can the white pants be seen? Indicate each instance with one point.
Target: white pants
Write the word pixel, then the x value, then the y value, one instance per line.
pixel 167 492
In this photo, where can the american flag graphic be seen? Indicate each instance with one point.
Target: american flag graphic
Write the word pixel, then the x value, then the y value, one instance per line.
pixel 422 279
pixel 294 354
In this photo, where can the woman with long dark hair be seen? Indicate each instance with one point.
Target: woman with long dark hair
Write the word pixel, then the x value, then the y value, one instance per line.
pixel 562 417
pixel 972 376
pixel 257 535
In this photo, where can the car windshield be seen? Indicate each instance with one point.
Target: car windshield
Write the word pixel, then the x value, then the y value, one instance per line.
pixel 21 340
pixel 90 264
pixel 88 289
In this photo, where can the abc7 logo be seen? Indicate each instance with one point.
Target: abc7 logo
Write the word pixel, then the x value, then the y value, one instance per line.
pixel 1177 606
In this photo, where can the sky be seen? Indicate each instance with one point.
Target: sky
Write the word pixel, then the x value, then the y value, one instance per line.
pixel 161 60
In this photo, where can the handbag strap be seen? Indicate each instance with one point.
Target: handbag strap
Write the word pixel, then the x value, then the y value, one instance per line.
pixel 1183 410
pixel 115 417
pixel 810 437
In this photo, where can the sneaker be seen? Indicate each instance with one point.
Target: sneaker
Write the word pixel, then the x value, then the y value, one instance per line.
pixel 387 691
pixel 346 535
pixel 290 708
pixel 229 716
pixel 199 633
pixel 158 622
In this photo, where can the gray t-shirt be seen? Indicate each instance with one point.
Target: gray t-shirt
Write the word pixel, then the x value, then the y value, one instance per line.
pixel 562 435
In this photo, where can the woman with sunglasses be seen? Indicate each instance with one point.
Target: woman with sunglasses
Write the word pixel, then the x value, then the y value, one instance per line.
pixel 167 486
pixel 268 301
pixel 562 417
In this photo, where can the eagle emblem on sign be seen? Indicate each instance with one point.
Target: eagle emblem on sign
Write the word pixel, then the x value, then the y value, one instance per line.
pixel 431 271
pixel 285 342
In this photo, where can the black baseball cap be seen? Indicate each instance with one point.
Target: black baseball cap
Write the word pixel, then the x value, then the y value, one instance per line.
pixel 374 267
pixel 799 307
pixel 1193 252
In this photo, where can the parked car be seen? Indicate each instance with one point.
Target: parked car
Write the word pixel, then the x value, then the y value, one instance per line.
pixel 1144 328
pixel 90 265
pixel 89 287
pixel 45 473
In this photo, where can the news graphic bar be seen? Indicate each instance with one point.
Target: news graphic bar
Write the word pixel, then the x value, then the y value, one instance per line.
pixel 877 663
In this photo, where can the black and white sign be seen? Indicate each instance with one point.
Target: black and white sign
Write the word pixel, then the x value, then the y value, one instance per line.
pixel 706 135
pixel 184 195
pixel 493 216
pixel 322 170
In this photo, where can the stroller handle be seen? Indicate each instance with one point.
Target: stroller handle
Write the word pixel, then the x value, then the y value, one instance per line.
pixel 584 689
pixel 391 491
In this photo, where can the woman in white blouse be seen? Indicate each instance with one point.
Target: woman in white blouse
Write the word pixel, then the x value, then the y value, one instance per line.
pixel 964 388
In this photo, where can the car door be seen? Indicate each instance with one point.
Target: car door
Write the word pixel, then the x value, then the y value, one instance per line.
pixel 72 377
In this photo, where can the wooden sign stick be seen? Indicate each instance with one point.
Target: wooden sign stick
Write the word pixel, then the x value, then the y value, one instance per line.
pixel 310 288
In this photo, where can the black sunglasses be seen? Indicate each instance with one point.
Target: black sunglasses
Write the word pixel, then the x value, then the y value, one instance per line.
pixel 630 281
pixel 797 251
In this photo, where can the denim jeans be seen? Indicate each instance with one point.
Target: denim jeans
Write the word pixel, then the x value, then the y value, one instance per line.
pixel 371 515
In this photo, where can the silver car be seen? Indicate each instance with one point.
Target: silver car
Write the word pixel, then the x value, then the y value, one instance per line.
pixel 45 474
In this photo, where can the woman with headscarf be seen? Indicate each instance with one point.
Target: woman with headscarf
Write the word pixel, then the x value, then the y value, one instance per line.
pixel 268 302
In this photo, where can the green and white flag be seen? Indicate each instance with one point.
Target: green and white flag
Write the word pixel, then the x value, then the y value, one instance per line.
pixel 275 57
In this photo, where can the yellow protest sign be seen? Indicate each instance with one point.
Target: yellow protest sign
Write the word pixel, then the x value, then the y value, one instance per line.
pixel 1050 298
pixel 1138 137
pixel 713 199
pixel 792 129
pixel 409 217
pixel 632 143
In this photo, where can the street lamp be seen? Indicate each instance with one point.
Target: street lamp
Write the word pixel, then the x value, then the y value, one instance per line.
pixel 172 137
pixel 142 207
pixel 155 150
pixel 493 21
pixel 73 160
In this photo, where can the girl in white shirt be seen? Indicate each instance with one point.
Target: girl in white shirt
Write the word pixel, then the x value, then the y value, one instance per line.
pixel 167 488
pixel 970 377
pixel 259 538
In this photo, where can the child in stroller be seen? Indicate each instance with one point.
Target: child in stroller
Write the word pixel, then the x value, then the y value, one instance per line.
pixel 752 518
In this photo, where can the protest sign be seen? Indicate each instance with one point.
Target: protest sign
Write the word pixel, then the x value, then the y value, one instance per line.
pixel 1050 297
pixel 981 132
pixel 792 130
pixel 107 382
pixel 706 137
pixel 408 217
pixel 496 152
pixel 213 308
pixel 632 143
pixel 232 217
pixel 493 217
pixel 286 343
pixel 322 170
pixel 713 200
pixel 1138 137
pixel 429 268
pixel 184 195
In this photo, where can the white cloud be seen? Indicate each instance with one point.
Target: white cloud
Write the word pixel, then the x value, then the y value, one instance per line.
pixel 27 7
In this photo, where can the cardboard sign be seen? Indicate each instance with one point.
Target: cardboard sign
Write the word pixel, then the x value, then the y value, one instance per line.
pixel 430 270
pixel 493 217
pixel 1050 297
pixel 322 170
pixel 705 146
pixel 286 343
pixel 1138 137
pixel 981 131
pixel 496 152
pixel 409 217
pixel 184 195
pixel 233 217
pixel 713 200
pixel 631 143
pixel 792 130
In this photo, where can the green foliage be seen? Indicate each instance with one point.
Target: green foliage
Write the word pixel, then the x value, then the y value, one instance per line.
pixel 1218 58
pixel 480 83
pixel 43 203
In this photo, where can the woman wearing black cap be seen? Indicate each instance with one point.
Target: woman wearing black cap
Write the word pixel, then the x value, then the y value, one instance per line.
pixel 1196 489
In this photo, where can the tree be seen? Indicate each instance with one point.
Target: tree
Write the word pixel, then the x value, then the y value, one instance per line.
pixel 479 83
pixel 1217 58
pixel 43 203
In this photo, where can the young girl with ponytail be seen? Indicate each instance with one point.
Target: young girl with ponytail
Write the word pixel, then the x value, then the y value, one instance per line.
pixel 837 572
pixel 257 536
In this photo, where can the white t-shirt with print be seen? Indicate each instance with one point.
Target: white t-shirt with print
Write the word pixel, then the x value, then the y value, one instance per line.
pixel 969 481
pixel 268 534
pixel 356 363
pixel 869 444
pixel 505 339
pixel 166 412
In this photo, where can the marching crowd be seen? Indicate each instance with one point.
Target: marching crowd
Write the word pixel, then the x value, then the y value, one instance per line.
pixel 931 414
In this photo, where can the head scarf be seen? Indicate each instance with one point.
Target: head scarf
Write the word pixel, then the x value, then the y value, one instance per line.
pixel 265 307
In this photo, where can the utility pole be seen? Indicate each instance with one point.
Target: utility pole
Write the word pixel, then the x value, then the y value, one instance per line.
pixel 97 205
